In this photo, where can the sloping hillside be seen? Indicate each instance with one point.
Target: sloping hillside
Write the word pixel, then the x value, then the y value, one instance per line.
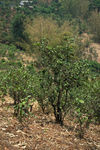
pixel 97 49
pixel 87 39
pixel 41 133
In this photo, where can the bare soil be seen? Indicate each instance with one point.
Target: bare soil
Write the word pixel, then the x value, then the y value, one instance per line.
pixel 40 132
pixel 95 46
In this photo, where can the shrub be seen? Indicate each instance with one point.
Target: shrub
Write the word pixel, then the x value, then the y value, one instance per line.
pixel 86 103
pixel 3 84
pixel 18 27
pixel 94 67
pixel 20 84
pixel 47 28
pixel 8 51
pixel 61 71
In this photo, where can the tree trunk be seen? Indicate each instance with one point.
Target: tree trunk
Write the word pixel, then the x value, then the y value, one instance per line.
pixel 59 118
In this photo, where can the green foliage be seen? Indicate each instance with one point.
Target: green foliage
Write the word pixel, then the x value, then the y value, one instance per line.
pixel 20 87
pixel 41 90
pixel 81 118
pixel 5 20
pixel 3 84
pixel 95 99
pixel 94 25
pixel 21 38
pixel 9 57
pixel 94 5
pixel 61 72
pixel 63 82
pixel 41 27
pixel 76 8
pixel 8 51
pixel 86 103
pixel 94 67
pixel 18 27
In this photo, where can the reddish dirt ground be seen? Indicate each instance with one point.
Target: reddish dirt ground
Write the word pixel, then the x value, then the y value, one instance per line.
pixel 39 132
pixel 95 46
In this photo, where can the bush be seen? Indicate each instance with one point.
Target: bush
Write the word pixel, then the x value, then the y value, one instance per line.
pixel 20 84
pixel 94 67
pixel 3 84
pixel 61 71
pixel 86 103
pixel 18 27
pixel 47 28
pixel 88 97
pixel 8 51
pixel 9 57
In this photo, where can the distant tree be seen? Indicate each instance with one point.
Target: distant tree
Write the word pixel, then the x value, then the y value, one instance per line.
pixel 94 4
pixel 18 27
pixel 6 15
pixel 76 8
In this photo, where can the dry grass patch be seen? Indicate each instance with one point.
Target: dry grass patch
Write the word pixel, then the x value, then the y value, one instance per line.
pixel 46 28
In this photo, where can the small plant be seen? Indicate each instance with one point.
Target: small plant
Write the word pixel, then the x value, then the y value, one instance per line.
pixel 81 117
pixel 3 85
pixel 23 108
pixel 21 88
pixel 86 104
